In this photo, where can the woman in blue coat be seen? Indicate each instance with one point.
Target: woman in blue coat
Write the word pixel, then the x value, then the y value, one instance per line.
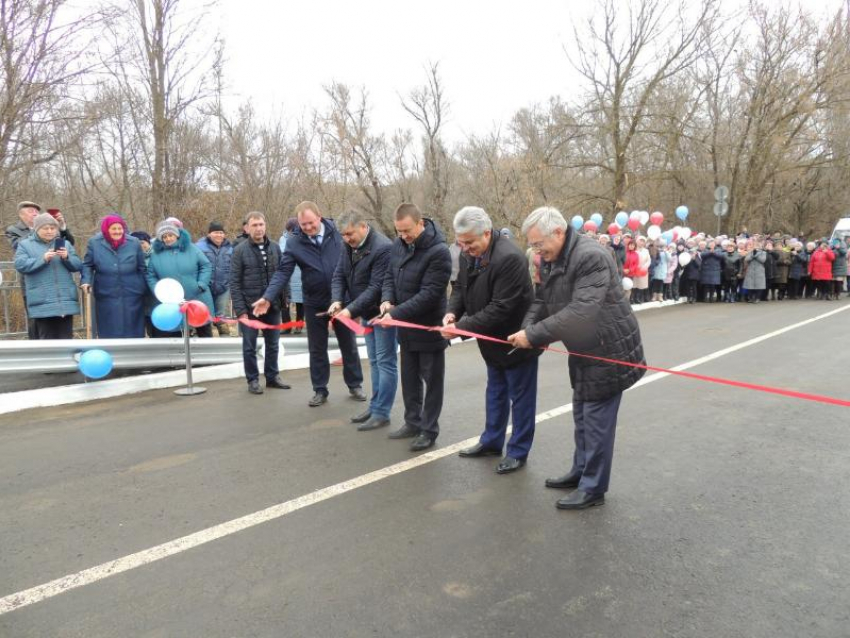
pixel 174 256
pixel 114 268
pixel 48 262
pixel 711 270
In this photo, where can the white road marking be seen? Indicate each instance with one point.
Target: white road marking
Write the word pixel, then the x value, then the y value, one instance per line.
pixel 126 563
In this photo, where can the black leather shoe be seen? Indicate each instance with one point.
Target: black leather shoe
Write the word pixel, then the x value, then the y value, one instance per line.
pixel 317 400
pixel 479 450
pixel 579 500
pixel 567 481
pixel 357 394
pixel 362 417
pixel 406 431
pixel 509 464
pixel 421 442
pixel 278 383
pixel 254 387
pixel 373 424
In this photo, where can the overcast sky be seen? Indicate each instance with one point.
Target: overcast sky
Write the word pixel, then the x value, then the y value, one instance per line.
pixel 495 57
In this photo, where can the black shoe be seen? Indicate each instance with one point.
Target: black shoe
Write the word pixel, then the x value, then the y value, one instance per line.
pixel 254 387
pixel 317 400
pixel 406 431
pixel 362 417
pixel 509 464
pixel 357 394
pixel 421 442
pixel 479 450
pixel 567 481
pixel 579 500
pixel 373 424
pixel 278 383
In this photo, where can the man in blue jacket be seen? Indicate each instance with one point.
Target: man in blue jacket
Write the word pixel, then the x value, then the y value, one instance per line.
pixel 315 248
pixel 219 251
pixel 415 291
pixel 356 293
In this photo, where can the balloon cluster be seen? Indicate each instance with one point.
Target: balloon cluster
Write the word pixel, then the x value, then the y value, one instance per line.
pixel 168 315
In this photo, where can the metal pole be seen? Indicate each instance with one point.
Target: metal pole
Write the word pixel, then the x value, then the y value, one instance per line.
pixel 190 389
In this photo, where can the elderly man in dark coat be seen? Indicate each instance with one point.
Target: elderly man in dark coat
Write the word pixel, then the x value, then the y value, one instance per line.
pixel 492 295
pixel 581 303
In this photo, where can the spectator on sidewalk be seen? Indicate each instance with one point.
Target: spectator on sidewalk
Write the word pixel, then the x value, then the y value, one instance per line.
pixel 219 251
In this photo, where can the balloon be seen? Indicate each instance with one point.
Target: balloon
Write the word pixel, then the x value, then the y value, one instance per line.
pixel 635 214
pixel 644 217
pixel 577 222
pixel 657 218
pixel 634 223
pixel 613 229
pixel 95 364
pixel 590 226
pixel 653 232
pixel 621 219
pixel 168 291
pixel 197 313
pixel 682 212
pixel 685 233
pixel 167 316
pixel 667 236
pixel 628 284
pixel 1 276
pixel 684 259
pixel 596 218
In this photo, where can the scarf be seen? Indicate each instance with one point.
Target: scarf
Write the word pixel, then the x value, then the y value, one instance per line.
pixel 104 229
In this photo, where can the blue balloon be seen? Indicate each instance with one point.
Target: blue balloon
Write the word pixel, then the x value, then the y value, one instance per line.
pixel 167 316
pixel 577 222
pixel 682 212
pixel 596 218
pixel 95 364
pixel 667 235
pixel 621 219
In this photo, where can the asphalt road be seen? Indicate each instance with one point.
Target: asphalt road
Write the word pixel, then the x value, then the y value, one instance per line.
pixel 728 514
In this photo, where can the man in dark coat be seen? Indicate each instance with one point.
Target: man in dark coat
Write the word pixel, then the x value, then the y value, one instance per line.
pixel 219 251
pixel 252 266
pixel 356 292
pixel 581 303
pixel 315 248
pixel 492 295
pixel 415 291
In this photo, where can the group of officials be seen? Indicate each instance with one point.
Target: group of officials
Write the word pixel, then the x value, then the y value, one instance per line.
pixel 350 270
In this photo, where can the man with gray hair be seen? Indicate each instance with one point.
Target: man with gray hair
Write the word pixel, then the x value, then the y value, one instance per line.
pixel 580 302
pixel 356 294
pixel 492 296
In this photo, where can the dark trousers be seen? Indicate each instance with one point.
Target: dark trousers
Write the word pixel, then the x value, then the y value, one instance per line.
pixel 54 327
pixel 422 376
pixel 317 343
pixel 511 392
pixel 249 347
pixel 595 426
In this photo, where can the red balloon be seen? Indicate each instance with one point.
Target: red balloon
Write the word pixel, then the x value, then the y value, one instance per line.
pixel 634 223
pixel 613 229
pixel 589 225
pixel 656 218
pixel 197 313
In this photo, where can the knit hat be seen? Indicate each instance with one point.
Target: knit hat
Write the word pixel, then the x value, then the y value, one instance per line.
pixel 141 236
pixel 26 204
pixel 166 227
pixel 215 226
pixel 43 219
pixel 174 221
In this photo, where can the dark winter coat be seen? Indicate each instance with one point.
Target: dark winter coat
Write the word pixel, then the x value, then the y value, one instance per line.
pixel 184 262
pixel 317 264
pixel 359 275
pixel 117 278
pixel 712 266
pixel 799 265
pixel 732 264
pixel 415 283
pixel 782 263
pixel 692 270
pixel 581 303
pixel 839 266
pixel 250 277
pixel 492 300
pixel 16 232
pixel 50 287
pixel 219 257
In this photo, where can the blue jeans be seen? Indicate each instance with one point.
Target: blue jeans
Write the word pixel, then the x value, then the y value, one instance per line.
pixel 383 363
pixel 512 391
pixel 596 424
pixel 222 304
pixel 249 347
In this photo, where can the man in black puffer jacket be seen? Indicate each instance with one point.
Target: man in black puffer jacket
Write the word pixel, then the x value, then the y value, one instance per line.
pixel 252 267
pixel 415 291
pixel 581 302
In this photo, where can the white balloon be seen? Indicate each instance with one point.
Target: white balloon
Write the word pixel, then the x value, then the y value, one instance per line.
pixel 644 217
pixel 685 233
pixel 653 232
pixel 168 291
pixel 1 276
pixel 628 284
pixel 635 214
pixel 684 259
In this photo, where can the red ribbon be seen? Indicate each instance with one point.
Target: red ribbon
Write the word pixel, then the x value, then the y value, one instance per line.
pixel 352 325
pixel 690 375
pixel 259 325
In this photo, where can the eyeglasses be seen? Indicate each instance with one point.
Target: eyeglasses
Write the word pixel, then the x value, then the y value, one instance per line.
pixel 536 245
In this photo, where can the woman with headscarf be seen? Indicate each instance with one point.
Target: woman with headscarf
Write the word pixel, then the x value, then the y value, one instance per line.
pixel 174 256
pixel 114 270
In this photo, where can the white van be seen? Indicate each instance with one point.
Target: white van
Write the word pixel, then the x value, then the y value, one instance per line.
pixel 842 229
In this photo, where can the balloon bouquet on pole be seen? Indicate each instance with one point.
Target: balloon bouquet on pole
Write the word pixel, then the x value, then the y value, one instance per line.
pixel 173 311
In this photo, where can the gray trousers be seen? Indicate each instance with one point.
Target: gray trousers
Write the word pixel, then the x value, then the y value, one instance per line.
pixel 596 424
